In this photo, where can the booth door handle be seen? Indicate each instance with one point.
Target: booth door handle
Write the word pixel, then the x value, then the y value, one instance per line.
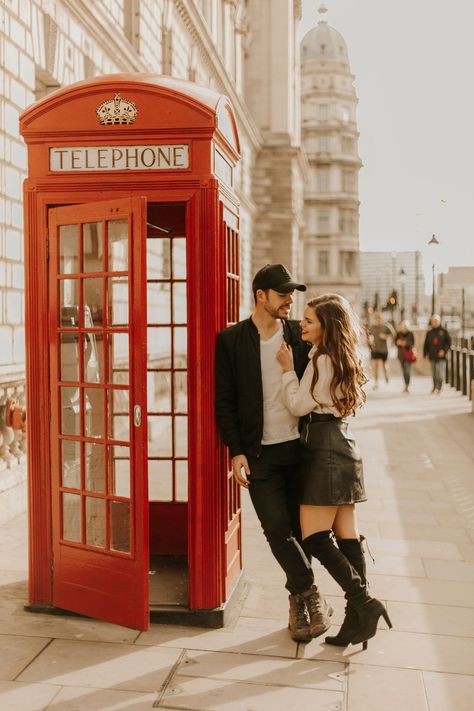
pixel 137 415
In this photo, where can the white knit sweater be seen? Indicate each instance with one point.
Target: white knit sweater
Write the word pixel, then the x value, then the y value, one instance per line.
pixel 297 396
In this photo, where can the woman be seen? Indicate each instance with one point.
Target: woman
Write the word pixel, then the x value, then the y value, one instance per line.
pixel 405 340
pixel 379 334
pixel 332 475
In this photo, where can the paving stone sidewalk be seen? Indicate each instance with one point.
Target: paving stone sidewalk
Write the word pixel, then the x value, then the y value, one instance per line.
pixel 419 521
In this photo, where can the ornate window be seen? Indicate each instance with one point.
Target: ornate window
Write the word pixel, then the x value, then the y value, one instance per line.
pixel 348 264
pixel 323 262
pixel 324 217
pixel 322 179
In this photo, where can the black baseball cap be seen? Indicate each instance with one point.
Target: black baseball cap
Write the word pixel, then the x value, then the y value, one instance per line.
pixel 276 277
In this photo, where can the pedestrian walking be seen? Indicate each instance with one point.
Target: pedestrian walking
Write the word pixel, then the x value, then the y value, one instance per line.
pixel 263 436
pixel 405 342
pixel 435 348
pixel 380 332
pixel 330 390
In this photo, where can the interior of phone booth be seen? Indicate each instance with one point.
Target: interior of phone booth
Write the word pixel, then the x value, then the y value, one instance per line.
pixel 167 402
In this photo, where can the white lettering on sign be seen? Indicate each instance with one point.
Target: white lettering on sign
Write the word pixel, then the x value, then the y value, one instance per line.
pixel 80 158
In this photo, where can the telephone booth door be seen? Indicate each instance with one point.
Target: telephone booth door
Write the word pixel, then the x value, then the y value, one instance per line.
pixel 98 405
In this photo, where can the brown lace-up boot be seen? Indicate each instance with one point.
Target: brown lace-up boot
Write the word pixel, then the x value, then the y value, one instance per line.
pixel 298 621
pixel 319 611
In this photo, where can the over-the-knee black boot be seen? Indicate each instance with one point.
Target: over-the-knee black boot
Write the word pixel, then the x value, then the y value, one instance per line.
pixel 354 552
pixel 368 609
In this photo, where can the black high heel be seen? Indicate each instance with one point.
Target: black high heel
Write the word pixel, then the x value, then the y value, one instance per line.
pixel 369 615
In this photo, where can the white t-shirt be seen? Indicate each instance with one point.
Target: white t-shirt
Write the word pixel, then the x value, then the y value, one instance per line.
pixel 279 425
pixel 297 396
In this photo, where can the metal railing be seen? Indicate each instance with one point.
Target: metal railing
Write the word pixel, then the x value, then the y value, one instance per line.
pixel 460 365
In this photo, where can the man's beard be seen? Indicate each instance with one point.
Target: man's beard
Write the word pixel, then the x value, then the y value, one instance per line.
pixel 275 313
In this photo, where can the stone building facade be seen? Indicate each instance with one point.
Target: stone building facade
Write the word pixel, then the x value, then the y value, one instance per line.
pixel 273 79
pixel 330 140
pixel 228 45
pixel 455 297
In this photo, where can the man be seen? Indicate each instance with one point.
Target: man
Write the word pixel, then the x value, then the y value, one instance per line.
pixel 379 334
pixel 405 342
pixel 435 348
pixel 263 436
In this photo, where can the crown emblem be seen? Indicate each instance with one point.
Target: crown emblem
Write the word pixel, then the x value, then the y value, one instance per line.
pixel 117 110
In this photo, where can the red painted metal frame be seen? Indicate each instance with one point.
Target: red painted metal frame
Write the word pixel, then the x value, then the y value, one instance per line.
pixel 187 113
pixel 232 517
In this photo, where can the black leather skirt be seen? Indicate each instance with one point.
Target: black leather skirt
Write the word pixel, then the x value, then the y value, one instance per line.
pixel 331 465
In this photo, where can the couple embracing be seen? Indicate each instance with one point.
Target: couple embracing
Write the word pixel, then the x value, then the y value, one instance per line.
pixel 283 392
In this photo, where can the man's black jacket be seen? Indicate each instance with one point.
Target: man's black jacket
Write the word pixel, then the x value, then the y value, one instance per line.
pixel 239 393
pixel 437 339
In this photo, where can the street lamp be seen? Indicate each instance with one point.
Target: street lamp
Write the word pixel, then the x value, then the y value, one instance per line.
pixel 433 241
pixel 403 279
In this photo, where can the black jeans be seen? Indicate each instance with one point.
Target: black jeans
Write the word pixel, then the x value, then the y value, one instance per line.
pixel 406 370
pixel 274 490
pixel 438 370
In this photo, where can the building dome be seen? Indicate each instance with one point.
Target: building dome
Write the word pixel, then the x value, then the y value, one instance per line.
pixel 323 42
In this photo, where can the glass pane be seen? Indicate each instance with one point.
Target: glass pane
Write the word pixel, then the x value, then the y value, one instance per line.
pixel 92 238
pixel 68 249
pixel 181 391
pixel 118 301
pixel 158 261
pixel 93 357
pixel 159 392
pixel 160 480
pixel 181 477
pixel 179 258
pixel 70 411
pixel 95 521
pixel 118 245
pixel 180 336
pixel 159 348
pixel 71 464
pixel 72 517
pixel 120 526
pixel 119 359
pixel 179 303
pixel 69 354
pixel 180 436
pixel 93 303
pixel 119 467
pixel 95 466
pixel 158 305
pixel 68 303
pixel 159 436
pixel 119 415
pixel 94 412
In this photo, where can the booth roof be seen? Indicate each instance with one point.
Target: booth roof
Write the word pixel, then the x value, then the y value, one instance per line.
pixel 215 108
pixel 200 94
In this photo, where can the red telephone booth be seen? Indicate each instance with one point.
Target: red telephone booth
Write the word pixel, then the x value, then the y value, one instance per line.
pixel 132 264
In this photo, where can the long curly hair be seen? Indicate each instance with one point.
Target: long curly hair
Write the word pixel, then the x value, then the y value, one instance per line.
pixel 341 335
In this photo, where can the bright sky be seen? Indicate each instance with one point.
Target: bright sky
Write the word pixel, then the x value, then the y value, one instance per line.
pixel 414 62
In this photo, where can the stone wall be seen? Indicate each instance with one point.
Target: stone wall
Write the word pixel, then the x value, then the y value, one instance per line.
pixel 46 44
